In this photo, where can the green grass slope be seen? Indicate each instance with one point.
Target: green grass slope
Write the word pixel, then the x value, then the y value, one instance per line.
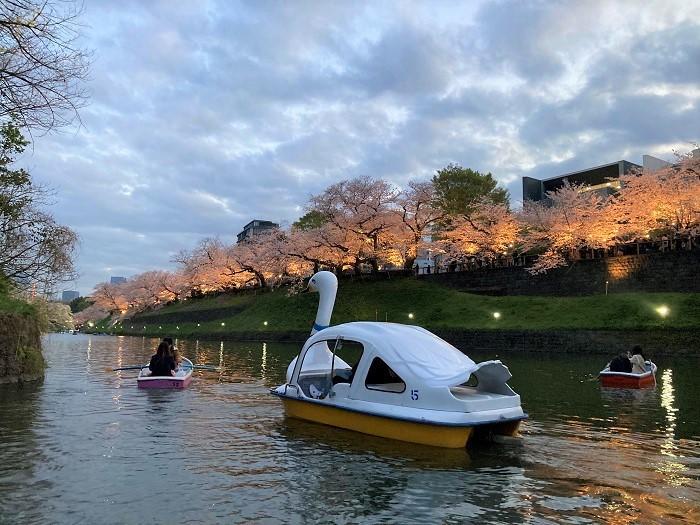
pixel 10 305
pixel 431 306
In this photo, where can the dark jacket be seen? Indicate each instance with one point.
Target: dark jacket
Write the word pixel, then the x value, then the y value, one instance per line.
pixel 161 366
pixel 621 363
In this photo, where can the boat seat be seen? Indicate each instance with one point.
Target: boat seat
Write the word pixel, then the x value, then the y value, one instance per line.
pixel 344 375
pixel 468 393
pixel 315 386
pixel 388 387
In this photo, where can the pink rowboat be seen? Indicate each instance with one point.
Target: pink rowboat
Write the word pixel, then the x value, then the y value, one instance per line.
pixel 181 379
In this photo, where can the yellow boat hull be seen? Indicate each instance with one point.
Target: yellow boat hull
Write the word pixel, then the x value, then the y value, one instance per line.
pixel 446 436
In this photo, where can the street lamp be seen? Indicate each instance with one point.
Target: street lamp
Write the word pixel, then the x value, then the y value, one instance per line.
pixel 663 310
pixel 496 315
pixel 410 316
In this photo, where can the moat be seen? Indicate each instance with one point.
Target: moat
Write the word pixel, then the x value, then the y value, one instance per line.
pixel 87 446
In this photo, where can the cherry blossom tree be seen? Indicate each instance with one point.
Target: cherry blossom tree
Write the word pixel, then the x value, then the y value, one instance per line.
pixel 208 267
pixel 489 231
pixel 417 216
pixel 92 313
pixel 111 297
pixel 572 220
pixel 172 284
pixel 362 208
pixel 310 250
pixel 666 201
pixel 260 259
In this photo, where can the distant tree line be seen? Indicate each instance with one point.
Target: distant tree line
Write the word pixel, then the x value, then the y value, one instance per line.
pixel 461 215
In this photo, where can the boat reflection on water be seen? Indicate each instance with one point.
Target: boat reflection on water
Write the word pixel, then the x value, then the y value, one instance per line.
pixel 368 476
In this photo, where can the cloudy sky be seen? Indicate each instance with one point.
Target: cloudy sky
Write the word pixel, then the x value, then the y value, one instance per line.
pixel 204 115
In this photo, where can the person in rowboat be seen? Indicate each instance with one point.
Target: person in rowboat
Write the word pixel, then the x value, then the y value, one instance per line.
pixel 162 363
pixel 621 363
pixel 637 360
pixel 173 351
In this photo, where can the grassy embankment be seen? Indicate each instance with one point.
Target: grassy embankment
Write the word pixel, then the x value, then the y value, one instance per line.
pixel 432 306
pixel 20 344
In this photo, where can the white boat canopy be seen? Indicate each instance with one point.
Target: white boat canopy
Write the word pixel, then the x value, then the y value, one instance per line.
pixel 414 353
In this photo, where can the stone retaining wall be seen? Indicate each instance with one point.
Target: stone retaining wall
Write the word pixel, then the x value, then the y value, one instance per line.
pixel 677 271
pixel 20 348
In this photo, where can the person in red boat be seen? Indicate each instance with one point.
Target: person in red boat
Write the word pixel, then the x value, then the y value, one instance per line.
pixel 621 363
pixel 637 361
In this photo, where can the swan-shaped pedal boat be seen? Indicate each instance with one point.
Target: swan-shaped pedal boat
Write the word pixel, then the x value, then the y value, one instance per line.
pixel 646 379
pixel 406 383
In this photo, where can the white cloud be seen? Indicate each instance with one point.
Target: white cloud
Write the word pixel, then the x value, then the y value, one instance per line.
pixel 205 115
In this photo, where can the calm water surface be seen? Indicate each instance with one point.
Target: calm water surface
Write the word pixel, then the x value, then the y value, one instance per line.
pixel 87 446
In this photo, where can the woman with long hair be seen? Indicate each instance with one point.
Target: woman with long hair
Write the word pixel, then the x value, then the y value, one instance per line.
pixel 162 363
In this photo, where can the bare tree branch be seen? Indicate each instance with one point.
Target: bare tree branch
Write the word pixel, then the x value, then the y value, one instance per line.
pixel 41 67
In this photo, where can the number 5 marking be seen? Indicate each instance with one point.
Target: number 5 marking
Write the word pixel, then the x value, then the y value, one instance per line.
pixel 414 394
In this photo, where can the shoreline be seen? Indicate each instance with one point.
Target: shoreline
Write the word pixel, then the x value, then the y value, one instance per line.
pixel 655 342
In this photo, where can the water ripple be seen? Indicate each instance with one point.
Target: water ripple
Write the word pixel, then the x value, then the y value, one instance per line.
pixel 87 446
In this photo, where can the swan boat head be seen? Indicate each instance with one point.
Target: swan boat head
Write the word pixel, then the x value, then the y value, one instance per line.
pixel 326 284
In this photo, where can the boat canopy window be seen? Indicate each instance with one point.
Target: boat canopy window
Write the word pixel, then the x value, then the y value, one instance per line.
pixel 321 369
pixel 346 353
pixel 381 377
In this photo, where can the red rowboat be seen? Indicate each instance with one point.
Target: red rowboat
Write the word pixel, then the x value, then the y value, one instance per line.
pixel 610 379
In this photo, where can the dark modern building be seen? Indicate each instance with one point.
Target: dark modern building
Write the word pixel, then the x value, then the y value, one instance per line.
pixel 254 227
pixel 117 280
pixel 68 295
pixel 601 178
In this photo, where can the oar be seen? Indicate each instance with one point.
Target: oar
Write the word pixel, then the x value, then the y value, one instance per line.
pixel 139 367
pixel 207 367
pixel 132 367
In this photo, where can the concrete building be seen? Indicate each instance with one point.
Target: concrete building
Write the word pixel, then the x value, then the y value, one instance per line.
pixel 117 280
pixel 68 295
pixel 601 178
pixel 254 227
